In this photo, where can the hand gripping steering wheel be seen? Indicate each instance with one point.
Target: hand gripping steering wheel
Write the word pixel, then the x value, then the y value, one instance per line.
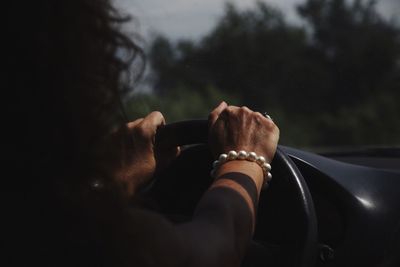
pixel 286 214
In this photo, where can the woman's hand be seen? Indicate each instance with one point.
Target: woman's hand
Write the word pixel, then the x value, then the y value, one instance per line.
pixel 142 159
pixel 234 128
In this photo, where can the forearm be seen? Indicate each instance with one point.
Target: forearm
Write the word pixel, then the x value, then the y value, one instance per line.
pixel 249 190
pixel 224 220
pixel 217 235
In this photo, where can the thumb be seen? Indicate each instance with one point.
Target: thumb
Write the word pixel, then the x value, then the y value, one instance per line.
pixel 212 118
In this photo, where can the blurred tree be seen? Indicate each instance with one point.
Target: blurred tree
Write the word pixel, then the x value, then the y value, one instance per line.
pixel 357 49
pixel 333 81
pixel 179 104
pixel 359 53
pixel 162 59
pixel 245 53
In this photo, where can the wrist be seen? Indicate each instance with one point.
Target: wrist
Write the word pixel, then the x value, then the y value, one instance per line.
pixel 251 169
pixel 242 155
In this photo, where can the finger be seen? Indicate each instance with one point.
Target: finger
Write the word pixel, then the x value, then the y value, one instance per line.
pixel 154 119
pixel 244 112
pixel 216 112
pixel 175 152
pixel 164 157
pixel 134 123
pixel 246 109
pixel 150 123
pixel 178 151
pixel 261 117
pixel 232 109
pixel 266 120
pixel 259 114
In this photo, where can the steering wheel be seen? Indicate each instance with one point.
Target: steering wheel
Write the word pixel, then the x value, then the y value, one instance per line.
pixel 286 229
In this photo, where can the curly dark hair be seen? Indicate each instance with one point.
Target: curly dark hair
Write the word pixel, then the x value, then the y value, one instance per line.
pixel 68 65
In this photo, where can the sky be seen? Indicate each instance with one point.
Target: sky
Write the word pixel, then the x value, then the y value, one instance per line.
pixel 194 18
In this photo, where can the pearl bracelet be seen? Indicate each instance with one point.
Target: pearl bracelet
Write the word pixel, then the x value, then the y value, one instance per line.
pixel 243 155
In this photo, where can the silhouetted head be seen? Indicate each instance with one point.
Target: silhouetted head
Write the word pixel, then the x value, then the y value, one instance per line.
pixel 67 64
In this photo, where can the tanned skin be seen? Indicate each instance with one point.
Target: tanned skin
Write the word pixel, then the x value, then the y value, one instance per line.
pixel 68 65
pixel 223 222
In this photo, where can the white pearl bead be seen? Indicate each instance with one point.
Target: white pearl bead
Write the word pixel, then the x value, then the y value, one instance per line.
pixel 242 154
pixel 269 177
pixel 261 160
pixel 266 166
pixel 232 155
pixel 215 163
pixel 222 158
pixel 252 156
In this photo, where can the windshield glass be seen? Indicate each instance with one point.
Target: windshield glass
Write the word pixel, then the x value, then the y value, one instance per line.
pixel 327 71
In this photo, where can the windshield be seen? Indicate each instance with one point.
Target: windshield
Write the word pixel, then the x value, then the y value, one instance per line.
pixel 327 71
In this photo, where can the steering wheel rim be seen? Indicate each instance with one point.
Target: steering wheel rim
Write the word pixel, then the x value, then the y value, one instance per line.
pixel 305 247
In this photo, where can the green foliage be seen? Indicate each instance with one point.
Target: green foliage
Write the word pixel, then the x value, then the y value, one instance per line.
pixel 334 82
pixel 354 46
pixel 179 104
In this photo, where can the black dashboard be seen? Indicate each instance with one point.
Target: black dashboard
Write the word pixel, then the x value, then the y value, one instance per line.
pixel 357 207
